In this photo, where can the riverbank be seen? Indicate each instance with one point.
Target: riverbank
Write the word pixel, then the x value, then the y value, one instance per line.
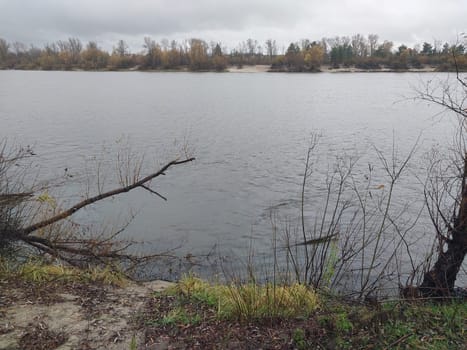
pixel 330 69
pixel 260 69
pixel 424 69
pixel 249 69
pixel 67 313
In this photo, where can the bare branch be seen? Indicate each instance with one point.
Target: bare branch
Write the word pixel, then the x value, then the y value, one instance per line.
pixel 26 231
pixel 153 192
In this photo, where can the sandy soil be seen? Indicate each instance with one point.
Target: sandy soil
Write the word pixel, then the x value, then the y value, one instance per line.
pixel 324 68
pixel 249 69
pixel 73 317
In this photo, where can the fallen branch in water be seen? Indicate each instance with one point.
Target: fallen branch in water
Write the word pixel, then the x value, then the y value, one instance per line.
pixel 78 250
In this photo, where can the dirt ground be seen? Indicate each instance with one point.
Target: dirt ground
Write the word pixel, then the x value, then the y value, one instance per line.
pixel 87 316
pixel 72 316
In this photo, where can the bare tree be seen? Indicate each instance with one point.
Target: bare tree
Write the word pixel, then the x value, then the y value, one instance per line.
pixel 18 48
pixel 439 281
pixel 75 47
pixel 121 49
pixel 12 192
pixel 359 45
pixel 372 43
pixel 271 49
pixel 18 204
pixel 4 47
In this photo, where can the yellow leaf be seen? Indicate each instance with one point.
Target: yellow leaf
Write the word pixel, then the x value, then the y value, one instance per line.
pixel 46 198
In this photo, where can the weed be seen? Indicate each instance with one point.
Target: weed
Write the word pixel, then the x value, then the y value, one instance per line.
pixel 179 316
pixel 6 268
pixel 104 275
pixel 343 343
pixel 197 290
pixel 299 339
pixel 325 321
pixel 330 264
pixel 133 344
pixel 342 322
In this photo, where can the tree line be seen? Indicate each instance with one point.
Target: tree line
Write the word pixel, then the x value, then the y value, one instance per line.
pixel 359 51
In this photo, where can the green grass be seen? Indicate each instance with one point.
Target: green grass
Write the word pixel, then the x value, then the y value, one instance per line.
pixel 299 339
pixel 133 343
pixel 179 316
pixel 396 325
pixel 429 326
pixel 306 319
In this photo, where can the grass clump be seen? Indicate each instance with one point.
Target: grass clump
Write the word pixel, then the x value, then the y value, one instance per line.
pixel 6 268
pixel 250 301
pixel 37 271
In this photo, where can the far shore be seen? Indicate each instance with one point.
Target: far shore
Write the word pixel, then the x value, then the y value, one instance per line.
pixel 425 69
pixel 260 68
pixel 256 69
pixel 328 69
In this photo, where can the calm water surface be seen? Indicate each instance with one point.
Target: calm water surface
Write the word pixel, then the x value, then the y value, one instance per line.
pixel 248 132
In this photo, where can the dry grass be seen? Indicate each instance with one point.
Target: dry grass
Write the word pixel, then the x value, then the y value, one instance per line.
pixel 251 301
pixel 39 272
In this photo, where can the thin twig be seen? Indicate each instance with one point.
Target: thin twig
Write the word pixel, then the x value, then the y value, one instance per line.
pixel 398 341
pixel 26 231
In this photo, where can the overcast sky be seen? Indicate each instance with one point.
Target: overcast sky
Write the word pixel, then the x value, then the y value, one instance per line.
pixel 106 21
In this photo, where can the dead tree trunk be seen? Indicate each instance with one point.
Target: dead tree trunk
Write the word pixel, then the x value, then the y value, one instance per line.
pixel 439 281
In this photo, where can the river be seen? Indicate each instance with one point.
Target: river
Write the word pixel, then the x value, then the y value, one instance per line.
pixel 248 132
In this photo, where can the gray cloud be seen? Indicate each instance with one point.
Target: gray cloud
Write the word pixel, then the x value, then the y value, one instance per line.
pixel 41 21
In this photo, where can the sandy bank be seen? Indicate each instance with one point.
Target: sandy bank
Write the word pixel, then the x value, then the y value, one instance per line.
pixel 73 317
pixel 328 69
pixel 249 69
